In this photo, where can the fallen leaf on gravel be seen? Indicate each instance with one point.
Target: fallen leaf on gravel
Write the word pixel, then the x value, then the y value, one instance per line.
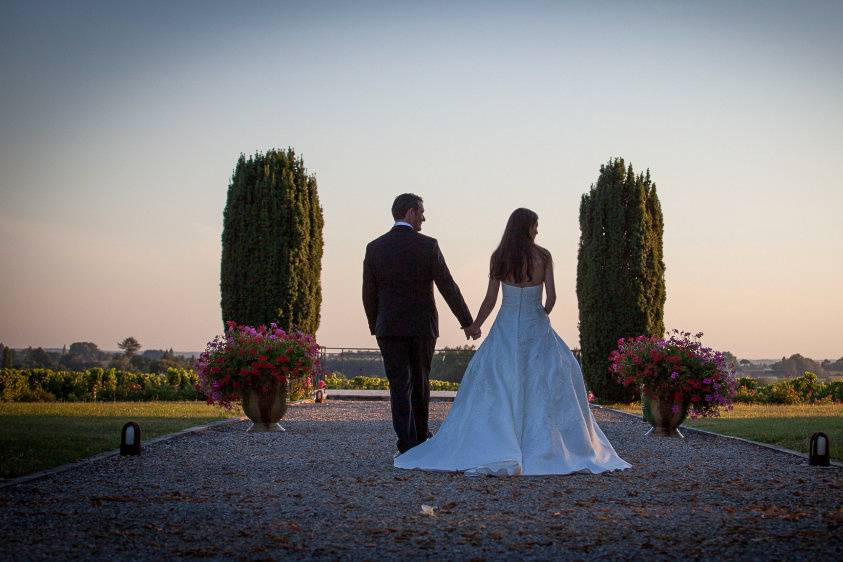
pixel 774 511
pixel 428 510
pixel 834 518
pixel 97 500
pixel 201 551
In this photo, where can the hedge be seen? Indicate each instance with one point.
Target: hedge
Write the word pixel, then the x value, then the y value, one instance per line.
pixel 47 385
pixel 340 382
pixel 800 390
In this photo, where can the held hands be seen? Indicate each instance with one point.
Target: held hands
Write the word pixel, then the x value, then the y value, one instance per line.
pixel 472 331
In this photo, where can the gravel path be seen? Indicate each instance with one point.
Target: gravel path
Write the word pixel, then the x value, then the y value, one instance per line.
pixel 326 489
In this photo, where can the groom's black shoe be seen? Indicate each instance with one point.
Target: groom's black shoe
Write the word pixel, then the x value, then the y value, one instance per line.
pixel 428 436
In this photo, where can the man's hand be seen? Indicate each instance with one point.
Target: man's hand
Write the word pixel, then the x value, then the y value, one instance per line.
pixel 472 332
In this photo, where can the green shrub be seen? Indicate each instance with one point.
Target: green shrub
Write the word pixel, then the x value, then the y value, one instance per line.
pixel 340 382
pixel 443 385
pixel 807 387
pixel 835 390
pixel 13 385
pixel 109 385
pixel 747 382
pixel 782 392
pixel 37 395
pixel 97 384
pixel 748 391
pixel 46 385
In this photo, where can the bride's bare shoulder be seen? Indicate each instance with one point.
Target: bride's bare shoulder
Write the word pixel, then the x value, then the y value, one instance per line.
pixel 545 255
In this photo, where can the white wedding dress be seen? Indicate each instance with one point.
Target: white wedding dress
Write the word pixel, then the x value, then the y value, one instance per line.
pixel 522 406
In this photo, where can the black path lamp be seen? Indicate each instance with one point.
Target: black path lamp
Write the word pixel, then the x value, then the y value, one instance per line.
pixel 130 443
pixel 819 450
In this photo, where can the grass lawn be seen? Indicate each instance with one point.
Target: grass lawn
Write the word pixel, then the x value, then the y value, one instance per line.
pixel 786 426
pixel 39 435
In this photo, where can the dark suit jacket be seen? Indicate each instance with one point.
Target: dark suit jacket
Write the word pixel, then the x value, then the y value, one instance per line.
pixel 399 271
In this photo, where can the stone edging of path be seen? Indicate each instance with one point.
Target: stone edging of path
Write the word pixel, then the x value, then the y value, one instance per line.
pixel 706 432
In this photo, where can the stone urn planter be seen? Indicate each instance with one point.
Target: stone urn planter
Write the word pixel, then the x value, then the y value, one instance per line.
pixel 258 367
pixel 659 413
pixel 265 409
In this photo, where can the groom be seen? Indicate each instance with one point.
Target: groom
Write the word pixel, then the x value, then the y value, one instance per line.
pixel 399 271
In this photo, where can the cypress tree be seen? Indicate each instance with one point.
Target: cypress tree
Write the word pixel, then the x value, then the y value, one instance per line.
pixel 272 243
pixel 620 271
pixel 8 357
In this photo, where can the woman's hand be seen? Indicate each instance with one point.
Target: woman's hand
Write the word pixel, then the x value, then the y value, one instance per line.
pixel 472 331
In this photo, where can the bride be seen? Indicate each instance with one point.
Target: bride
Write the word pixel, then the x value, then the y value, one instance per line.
pixel 522 405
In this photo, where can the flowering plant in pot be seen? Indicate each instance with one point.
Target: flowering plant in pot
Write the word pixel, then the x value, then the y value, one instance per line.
pixel 257 366
pixel 677 377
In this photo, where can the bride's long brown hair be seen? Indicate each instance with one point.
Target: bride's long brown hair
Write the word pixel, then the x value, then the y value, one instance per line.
pixel 514 257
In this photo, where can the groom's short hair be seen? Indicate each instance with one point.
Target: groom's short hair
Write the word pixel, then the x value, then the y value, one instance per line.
pixel 404 203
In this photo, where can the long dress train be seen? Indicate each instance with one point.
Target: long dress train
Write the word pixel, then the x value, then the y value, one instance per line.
pixel 522 406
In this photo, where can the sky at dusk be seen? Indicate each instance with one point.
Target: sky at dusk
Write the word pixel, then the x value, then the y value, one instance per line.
pixel 120 125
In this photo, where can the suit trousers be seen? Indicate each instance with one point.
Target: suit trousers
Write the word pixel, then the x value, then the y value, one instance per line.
pixel 407 364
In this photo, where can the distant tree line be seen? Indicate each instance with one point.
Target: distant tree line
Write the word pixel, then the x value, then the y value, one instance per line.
pixel 86 355
pixel 794 366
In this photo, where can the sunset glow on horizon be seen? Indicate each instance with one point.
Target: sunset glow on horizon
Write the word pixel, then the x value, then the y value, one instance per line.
pixel 122 126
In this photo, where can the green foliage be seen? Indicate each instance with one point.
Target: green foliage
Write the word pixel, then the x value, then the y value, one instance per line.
pixel 130 346
pixel 620 271
pixel 748 383
pixel 28 385
pixel 730 358
pixel 13 384
pixel 805 389
pixel 8 357
pixel 781 392
pixel 339 382
pixel 829 365
pixel 795 364
pixel 39 358
pixel 272 244
pixel 450 363
pixel 168 360
pixel 81 356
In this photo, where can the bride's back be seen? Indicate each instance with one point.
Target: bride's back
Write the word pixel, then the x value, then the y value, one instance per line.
pixel 535 274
